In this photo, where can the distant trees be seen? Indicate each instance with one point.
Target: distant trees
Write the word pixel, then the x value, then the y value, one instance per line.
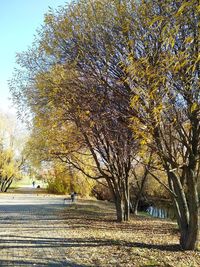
pixel 10 161
pixel 113 79
pixel 62 179
pixel 48 151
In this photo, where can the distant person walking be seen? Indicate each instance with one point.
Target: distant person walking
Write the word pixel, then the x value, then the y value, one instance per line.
pixel 33 184
pixel 73 196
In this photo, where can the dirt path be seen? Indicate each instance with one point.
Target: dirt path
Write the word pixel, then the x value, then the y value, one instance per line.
pixel 39 230
pixel 32 233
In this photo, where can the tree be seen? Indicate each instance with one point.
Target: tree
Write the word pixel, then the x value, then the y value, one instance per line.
pixel 90 58
pixel 48 148
pixel 11 156
pixel 75 68
pixel 164 75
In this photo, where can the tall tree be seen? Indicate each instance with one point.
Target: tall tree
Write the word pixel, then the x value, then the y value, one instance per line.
pixel 75 67
pixel 164 75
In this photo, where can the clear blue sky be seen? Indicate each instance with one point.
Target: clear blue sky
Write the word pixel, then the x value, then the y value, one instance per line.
pixel 19 20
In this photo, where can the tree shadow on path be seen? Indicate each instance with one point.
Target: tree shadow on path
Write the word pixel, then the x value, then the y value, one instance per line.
pixel 15 263
pixel 44 242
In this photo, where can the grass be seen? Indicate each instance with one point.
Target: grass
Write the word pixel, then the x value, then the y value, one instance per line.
pixel 143 241
pixel 26 181
pixel 22 182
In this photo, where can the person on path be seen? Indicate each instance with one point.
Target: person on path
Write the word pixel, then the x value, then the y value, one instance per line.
pixel 72 196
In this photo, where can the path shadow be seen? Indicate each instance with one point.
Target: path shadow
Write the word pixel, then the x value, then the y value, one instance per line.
pixel 43 242
pixel 24 263
pixel 31 218
pixel 75 215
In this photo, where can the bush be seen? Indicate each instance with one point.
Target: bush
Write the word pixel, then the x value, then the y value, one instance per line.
pixel 57 186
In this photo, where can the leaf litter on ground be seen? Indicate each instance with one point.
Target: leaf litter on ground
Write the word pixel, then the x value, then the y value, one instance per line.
pixel 96 239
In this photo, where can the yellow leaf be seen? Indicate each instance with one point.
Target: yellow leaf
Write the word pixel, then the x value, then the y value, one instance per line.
pixel 156 19
pixel 194 107
pixel 189 40
pixel 143 142
pixel 182 7
pixel 198 58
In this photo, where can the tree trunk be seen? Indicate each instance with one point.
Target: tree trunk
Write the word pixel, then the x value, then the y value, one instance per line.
pixel 141 188
pixel 126 198
pixel 135 206
pixel 190 234
pixel 187 215
pixel 139 195
pixel 118 200
pixel 119 209
pixel 8 185
pixel 189 237
pixel 122 205
pixel 127 209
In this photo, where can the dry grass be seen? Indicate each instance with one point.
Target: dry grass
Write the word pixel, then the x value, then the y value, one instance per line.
pixel 103 242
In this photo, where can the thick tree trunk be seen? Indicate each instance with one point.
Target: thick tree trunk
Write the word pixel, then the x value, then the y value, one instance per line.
pixel 122 209
pixel 189 237
pixel 190 234
pixel 126 209
pixel 118 200
pixel 187 215
pixel 119 209
pixel 122 205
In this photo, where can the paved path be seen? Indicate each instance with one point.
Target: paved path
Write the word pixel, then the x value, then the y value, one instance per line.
pixel 32 232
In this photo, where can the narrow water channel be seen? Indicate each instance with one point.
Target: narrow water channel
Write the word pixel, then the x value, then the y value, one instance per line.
pixel 162 212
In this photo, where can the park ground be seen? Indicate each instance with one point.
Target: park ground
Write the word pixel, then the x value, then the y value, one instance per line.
pixel 42 230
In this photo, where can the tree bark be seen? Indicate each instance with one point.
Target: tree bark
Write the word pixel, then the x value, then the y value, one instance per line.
pixel 144 178
pixel 138 196
pixel 119 209
pixel 8 185
pixel 127 206
pixel 186 205
pixel 190 234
